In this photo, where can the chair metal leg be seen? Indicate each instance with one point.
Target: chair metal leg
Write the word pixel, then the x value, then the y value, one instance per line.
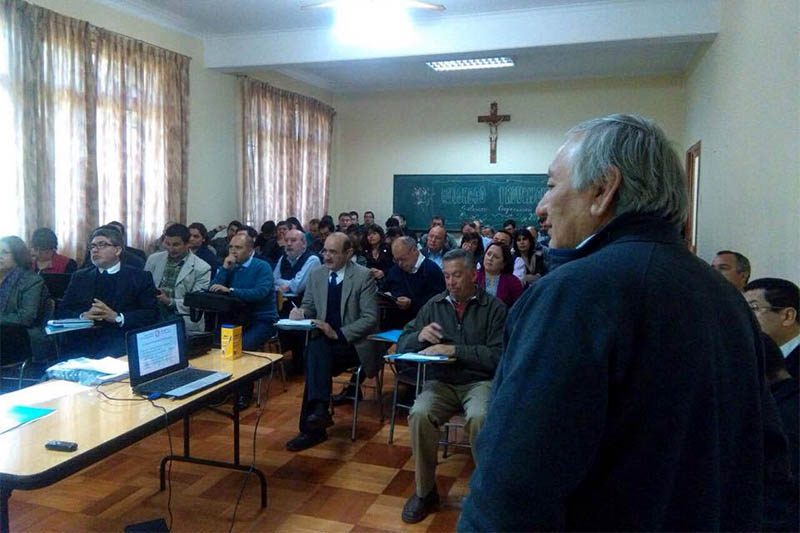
pixel 283 374
pixel 379 391
pixel 258 393
pixel 22 372
pixel 394 408
pixel 355 404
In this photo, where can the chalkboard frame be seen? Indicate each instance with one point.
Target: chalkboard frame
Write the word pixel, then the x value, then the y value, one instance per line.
pixel 415 197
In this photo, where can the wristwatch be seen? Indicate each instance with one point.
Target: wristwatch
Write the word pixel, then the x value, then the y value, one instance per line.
pixel 230 290
pixel 119 319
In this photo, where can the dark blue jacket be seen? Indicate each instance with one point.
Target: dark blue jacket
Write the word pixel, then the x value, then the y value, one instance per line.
pixel 424 284
pixel 135 298
pixel 630 396
pixel 253 285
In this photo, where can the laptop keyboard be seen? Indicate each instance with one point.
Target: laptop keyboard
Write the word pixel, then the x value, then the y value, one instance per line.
pixel 173 381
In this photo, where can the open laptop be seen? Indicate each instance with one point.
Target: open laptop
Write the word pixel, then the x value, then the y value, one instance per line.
pixel 157 362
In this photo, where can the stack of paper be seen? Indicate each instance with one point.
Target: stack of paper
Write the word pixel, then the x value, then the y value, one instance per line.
pixel 289 324
pixel 89 371
pixel 67 324
pixel 418 357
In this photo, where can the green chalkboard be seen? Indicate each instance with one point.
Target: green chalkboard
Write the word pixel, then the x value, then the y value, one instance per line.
pixel 491 198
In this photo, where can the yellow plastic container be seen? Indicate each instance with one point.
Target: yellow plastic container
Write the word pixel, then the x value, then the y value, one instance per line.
pixel 231 341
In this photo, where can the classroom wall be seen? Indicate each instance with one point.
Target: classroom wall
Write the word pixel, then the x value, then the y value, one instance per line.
pixel 212 115
pixel 437 131
pixel 743 98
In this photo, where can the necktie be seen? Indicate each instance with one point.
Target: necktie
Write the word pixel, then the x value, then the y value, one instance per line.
pixel 332 282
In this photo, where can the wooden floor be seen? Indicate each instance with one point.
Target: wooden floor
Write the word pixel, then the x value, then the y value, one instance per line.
pixel 338 485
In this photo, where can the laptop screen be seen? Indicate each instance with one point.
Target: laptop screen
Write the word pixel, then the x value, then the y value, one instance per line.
pixel 156 350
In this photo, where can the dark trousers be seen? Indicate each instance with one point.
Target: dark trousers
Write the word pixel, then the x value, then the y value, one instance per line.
pixel 256 334
pixel 324 359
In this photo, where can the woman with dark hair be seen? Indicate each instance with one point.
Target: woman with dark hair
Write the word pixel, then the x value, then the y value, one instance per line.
pixel 23 294
pixel 496 276
pixel 473 243
pixel 198 244
pixel 528 262
pixel 44 244
pixel 378 254
pixel 392 233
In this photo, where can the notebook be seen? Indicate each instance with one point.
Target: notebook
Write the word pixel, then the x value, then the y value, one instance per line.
pixel 157 362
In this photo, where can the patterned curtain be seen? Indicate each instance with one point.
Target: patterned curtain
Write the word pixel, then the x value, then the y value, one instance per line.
pixel 99 131
pixel 286 153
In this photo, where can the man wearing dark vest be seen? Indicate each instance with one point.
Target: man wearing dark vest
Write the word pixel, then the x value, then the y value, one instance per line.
pixel 291 274
pixel 340 300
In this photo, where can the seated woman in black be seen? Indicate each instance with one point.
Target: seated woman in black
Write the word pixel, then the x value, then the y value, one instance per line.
pixel 378 254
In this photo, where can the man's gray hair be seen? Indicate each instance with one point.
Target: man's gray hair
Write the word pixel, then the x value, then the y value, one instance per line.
pixel 459 254
pixel 653 180
pixel 408 242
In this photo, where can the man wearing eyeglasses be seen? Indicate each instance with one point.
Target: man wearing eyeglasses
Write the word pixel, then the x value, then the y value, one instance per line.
pixel 340 300
pixel 776 304
pixel 117 297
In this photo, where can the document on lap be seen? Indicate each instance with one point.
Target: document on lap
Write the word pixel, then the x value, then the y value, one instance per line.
pixel 288 323
pixel 419 358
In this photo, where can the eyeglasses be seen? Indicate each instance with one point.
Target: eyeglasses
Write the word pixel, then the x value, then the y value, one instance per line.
pixel 102 245
pixel 758 308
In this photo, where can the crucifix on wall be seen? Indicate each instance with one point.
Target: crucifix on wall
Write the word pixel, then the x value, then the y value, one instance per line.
pixel 494 120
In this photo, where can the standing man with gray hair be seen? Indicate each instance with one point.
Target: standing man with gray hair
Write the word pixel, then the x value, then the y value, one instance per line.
pixel 629 395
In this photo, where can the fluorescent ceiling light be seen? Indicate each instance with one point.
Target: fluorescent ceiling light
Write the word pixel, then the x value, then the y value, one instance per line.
pixel 471 64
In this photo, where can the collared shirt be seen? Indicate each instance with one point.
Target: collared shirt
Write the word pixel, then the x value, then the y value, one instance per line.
pixel 249 260
pixel 110 270
pixel 339 275
pixel 787 347
pixel 460 307
pixel 437 257
pixel 171 270
pixel 298 283
pixel 420 259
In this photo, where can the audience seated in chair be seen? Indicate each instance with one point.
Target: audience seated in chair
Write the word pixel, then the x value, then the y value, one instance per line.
pixel 340 299
pixel 176 272
pixel 23 296
pixel 776 304
pixel 413 280
pixel 131 257
pixel 46 260
pixel 496 276
pixel 733 266
pixel 465 323
pixel 198 244
pixel 220 244
pixel 116 296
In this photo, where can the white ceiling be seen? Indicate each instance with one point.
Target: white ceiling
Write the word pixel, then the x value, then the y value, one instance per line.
pixel 549 39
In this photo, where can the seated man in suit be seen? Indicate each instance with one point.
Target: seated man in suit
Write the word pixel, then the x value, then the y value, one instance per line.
pixel 249 279
pixel 465 323
pixel 117 297
pixel 176 272
pixel 776 304
pixel 413 280
pixel 340 299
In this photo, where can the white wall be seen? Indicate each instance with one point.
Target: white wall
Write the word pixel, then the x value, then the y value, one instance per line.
pixel 436 131
pixel 212 115
pixel 743 100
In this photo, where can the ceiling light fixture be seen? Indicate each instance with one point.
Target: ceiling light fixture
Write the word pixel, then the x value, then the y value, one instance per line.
pixel 471 64
pixel 375 23
pixel 406 4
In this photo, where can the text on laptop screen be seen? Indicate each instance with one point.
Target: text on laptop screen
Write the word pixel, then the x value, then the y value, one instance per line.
pixel 158 349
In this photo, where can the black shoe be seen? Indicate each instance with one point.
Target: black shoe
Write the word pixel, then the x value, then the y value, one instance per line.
pixel 244 401
pixel 304 441
pixel 346 396
pixel 319 419
pixel 416 508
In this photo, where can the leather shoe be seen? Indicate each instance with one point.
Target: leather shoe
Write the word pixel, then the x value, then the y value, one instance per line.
pixel 304 441
pixel 319 420
pixel 416 508
pixel 346 396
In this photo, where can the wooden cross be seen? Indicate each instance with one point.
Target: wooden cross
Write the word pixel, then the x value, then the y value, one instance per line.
pixel 494 120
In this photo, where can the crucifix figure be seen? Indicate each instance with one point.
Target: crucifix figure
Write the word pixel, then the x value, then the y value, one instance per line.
pixel 494 120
